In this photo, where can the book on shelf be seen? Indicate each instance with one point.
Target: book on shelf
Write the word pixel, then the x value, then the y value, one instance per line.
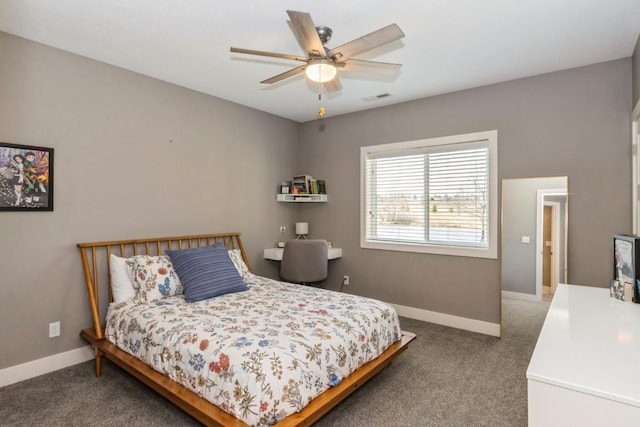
pixel 298 187
pixel 313 186
pixel 306 184
pixel 302 183
pixel 303 177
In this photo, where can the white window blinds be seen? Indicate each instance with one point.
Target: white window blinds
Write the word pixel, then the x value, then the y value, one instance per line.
pixel 429 195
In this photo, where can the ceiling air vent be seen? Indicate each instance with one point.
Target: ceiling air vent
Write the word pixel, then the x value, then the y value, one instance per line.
pixel 376 97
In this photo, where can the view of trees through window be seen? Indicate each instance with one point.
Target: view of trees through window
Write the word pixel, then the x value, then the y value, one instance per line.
pixel 439 197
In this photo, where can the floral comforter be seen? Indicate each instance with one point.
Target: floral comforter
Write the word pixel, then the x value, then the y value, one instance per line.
pixel 261 354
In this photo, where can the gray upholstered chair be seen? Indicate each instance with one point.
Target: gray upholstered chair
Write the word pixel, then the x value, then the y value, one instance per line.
pixel 304 261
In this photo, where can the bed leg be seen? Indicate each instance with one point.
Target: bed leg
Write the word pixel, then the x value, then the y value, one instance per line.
pixel 98 363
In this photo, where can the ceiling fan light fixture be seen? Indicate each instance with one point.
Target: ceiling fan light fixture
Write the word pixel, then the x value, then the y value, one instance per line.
pixel 320 70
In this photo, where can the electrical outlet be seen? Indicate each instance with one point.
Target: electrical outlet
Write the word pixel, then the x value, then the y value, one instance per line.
pixel 282 229
pixel 346 280
pixel 54 329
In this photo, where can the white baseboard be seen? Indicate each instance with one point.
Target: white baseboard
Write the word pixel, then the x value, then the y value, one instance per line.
pixel 472 325
pixel 45 365
pixel 521 296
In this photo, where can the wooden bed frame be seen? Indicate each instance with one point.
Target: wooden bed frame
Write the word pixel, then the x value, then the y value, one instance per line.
pixel 95 262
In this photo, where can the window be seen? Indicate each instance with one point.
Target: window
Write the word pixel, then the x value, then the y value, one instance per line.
pixel 435 195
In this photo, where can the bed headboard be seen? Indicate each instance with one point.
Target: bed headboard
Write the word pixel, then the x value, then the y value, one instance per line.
pixel 96 256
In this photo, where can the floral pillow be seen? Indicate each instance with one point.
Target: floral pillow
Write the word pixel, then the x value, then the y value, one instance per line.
pixel 238 262
pixel 154 278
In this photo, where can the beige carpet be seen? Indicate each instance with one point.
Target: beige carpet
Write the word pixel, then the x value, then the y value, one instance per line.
pixel 447 377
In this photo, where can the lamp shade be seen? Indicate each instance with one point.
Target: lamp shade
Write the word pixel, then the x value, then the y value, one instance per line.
pixel 302 228
pixel 320 70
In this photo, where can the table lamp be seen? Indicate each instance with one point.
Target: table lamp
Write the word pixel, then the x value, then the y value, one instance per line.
pixel 302 229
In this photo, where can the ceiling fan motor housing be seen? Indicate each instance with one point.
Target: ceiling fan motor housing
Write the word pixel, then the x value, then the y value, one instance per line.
pixel 324 33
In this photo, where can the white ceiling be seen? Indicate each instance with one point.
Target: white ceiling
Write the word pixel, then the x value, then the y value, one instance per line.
pixel 449 45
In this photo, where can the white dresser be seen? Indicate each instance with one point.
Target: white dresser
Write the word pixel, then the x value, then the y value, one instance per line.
pixel 585 369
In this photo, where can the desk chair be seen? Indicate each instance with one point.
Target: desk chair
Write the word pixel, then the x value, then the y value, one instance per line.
pixel 304 261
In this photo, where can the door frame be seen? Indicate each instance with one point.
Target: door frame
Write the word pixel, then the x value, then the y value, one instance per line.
pixel 541 194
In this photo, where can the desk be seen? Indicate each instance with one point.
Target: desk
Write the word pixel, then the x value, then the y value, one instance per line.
pixel 275 254
pixel 584 369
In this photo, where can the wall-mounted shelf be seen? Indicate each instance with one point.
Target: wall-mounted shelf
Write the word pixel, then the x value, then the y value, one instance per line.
pixel 302 198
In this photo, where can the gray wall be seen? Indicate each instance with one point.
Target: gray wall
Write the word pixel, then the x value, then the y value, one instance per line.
pixel 134 157
pixel 572 123
pixel 519 218
pixel 635 59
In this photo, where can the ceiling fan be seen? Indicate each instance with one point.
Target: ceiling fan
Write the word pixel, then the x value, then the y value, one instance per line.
pixel 321 63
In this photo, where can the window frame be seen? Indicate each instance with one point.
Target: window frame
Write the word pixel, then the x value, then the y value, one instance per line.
pixel 491 140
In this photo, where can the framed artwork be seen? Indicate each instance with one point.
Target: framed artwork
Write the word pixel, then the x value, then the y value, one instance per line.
pixel 26 178
pixel 626 261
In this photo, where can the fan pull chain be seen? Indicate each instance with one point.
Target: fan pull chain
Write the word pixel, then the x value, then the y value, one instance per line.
pixel 322 111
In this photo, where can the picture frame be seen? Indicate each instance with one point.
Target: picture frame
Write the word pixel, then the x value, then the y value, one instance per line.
pixel 26 178
pixel 626 262
pixel 621 291
pixel 284 187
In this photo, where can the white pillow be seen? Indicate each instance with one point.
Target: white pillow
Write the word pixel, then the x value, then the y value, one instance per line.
pixel 121 286
pixel 238 262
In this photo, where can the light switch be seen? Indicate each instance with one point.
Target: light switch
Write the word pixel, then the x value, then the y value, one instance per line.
pixel 525 239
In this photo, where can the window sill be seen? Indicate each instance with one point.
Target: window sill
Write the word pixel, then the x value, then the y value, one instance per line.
pixel 489 253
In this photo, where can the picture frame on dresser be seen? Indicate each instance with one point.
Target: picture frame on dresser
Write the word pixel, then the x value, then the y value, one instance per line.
pixel 26 178
pixel 626 262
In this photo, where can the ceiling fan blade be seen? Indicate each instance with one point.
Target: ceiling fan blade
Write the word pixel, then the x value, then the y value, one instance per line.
pixel 292 72
pixel 270 54
pixel 305 31
pixel 364 66
pixel 332 85
pixel 365 43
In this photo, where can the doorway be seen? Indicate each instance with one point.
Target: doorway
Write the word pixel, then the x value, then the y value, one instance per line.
pixel 552 266
pixel 523 243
